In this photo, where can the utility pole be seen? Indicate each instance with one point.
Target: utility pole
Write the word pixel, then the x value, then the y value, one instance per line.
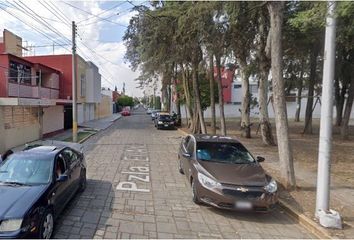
pixel 325 143
pixel 74 83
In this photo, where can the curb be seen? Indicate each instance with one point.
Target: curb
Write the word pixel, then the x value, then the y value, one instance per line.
pixel 301 218
pixel 182 132
pixel 87 137
pixel 305 221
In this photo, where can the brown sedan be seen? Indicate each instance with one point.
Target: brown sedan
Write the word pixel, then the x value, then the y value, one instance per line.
pixel 225 175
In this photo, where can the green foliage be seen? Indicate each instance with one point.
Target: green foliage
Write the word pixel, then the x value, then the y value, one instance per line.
pixel 125 101
pixel 157 102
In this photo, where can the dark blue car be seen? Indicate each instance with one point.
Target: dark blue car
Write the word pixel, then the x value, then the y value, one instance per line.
pixel 35 186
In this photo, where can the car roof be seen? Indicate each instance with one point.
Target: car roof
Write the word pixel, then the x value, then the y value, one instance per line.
pixel 43 149
pixel 214 138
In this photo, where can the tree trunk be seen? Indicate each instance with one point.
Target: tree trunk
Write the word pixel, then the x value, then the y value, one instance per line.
pixel 347 111
pixel 299 95
pixel 264 66
pixel 284 147
pixel 199 110
pixel 246 100
pixel 221 97
pixel 310 95
pixel 187 97
pixel 186 113
pixel 212 94
pixel 298 103
pixel 340 98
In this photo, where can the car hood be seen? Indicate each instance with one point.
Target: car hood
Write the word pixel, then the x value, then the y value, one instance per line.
pixel 237 174
pixel 16 200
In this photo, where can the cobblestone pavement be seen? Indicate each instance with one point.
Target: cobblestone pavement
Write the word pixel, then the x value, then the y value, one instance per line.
pixel 133 154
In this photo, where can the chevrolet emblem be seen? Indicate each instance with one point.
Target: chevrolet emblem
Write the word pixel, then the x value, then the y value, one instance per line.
pixel 242 189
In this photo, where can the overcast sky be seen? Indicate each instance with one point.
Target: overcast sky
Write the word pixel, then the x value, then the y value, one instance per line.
pixel 98 40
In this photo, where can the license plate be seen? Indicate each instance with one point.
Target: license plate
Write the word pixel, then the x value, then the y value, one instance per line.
pixel 243 205
pixel 166 125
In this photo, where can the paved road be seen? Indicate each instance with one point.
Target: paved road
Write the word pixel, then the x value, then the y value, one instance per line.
pixel 133 155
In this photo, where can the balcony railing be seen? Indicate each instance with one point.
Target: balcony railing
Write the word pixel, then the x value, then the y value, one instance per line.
pixel 30 91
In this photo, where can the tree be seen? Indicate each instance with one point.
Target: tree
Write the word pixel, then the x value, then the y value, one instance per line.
pixel 345 41
pixel 307 21
pixel 125 101
pixel 285 154
pixel 263 59
pixel 212 94
pixel 241 35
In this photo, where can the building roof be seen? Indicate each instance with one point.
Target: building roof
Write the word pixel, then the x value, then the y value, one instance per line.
pixel 17 57
pixel 45 66
pixel 30 62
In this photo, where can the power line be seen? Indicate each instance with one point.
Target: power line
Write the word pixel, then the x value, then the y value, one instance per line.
pixel 45 22
pixel 119 14
pixel 30 25
pixel 37 18
pixel 59 11
pixel 56 15
pixel 42 22
pixel 87 57
pixel 103 19
pixel 101 12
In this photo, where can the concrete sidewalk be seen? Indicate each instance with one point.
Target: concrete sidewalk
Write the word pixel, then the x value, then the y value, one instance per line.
pixel 94 125
pixel 341 199
pixel 101 124
pixel 97 125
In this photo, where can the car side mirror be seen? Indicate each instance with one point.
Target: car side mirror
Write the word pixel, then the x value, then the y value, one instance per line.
pixel 62 178
pixel 260 159
pixel 187 155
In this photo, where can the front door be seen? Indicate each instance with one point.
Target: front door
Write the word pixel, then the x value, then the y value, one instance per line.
pixel 60 190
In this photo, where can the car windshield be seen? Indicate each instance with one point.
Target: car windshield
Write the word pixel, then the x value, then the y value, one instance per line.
pixel 26 169
pixel 164 117
pixel 234 153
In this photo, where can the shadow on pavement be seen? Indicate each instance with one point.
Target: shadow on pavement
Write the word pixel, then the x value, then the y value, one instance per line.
pixel 85 212
pixel 276 216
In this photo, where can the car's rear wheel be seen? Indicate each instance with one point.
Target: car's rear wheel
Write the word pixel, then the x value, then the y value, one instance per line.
pixel 194 193
pixel 83 181
pixel 46 225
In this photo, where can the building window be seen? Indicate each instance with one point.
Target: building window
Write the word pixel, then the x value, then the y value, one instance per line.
pixel 83 85
pixel 19 73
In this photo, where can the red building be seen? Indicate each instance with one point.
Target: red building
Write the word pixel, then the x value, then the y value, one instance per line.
pixel 62 62
pixel 30 104
pixel 24 79
pixel 227 76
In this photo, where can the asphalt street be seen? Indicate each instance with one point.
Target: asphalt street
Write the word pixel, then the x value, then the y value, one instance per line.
pixel 134 190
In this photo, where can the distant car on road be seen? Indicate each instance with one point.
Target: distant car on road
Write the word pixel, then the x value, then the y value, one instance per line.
pixel 164 121
pixel 224 174
pixel 35 186
pixel 125 113
pixel 149 111
pixel 154 114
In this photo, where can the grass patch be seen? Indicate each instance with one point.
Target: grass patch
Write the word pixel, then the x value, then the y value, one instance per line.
pixel 80 136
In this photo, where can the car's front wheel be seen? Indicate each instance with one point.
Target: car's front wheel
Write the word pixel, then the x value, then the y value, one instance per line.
pixel 83 180
pixel 194 193
pixel 46 225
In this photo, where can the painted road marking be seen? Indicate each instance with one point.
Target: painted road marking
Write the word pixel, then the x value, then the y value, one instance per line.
pixel 136 174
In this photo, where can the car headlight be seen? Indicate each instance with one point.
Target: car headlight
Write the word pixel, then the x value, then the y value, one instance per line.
pixel 207 181
pixel 10 225
pixel 159 122
pixel 271 187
